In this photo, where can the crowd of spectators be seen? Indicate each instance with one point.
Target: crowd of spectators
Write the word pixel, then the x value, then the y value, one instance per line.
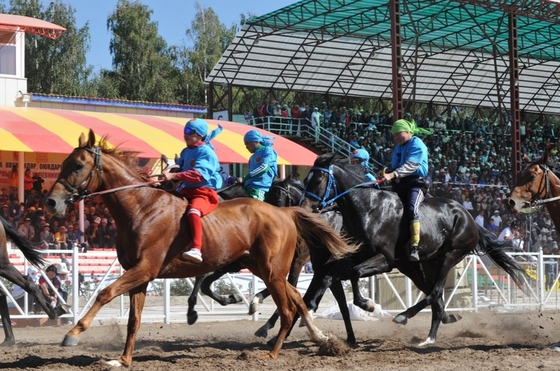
pixel 470 157
pixel 46 231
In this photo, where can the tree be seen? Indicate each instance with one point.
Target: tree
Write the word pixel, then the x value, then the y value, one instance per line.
pixel 55 66
pixel 143 66
pixel 210 38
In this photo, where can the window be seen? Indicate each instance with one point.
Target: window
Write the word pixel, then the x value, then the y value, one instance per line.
pixel 7 53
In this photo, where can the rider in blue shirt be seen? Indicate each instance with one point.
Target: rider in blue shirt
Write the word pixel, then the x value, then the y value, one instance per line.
pixel 409 166
pixel 362 156
pixel 262 165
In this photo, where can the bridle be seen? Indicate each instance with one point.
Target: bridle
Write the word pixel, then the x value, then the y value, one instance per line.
pixel 536 201
pixel 97 168
pixel 326 199
pixel 286 191
pixel 78 195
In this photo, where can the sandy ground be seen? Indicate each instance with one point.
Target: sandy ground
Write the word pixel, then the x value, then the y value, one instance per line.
pixel 484 341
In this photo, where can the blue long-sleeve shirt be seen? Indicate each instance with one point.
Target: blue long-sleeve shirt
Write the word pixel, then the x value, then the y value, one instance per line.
pixel 203 159
pixel 262 168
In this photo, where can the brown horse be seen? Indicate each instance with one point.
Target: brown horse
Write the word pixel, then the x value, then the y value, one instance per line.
pixel 536 184
pixel 153 231
pixel 8 271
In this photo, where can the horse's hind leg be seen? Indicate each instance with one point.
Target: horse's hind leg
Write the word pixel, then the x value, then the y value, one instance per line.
pixel 9 338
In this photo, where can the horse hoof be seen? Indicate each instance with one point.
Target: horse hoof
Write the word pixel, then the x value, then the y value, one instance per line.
pixel 70 341
pixel 8 343
pixel 236 298
pixel 253 308
pixel 262 332
pixel 452 318
pixel 192 318
pixel 272 341
pixel 113 363
pixel 428 341
pixel 400 319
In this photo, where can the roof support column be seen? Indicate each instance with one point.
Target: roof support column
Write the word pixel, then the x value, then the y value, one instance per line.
pixel 210 100
pixel 395 9
pixel 514 96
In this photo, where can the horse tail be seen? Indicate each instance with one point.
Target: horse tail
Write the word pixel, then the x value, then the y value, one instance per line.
pixel 316 232
pixel 32 255
pixel 496 250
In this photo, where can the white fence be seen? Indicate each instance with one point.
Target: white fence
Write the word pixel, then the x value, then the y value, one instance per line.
pixel 473 285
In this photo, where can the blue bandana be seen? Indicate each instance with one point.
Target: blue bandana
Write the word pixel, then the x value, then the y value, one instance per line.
pixel 255 136
pixel 200 127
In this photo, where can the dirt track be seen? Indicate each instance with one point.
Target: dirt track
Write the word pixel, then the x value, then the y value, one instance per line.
pixel 487 341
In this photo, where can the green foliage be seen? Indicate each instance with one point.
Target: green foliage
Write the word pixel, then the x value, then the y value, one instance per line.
pixel 55 66
pixel 142 63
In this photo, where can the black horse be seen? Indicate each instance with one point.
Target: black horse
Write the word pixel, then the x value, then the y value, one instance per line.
pixel 8 271
pixel 375 219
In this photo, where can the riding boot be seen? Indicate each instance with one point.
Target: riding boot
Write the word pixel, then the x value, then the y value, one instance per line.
pixel 195 253
pixel 414 240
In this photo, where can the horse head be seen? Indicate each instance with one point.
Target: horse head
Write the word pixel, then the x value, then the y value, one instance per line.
pixel 232 191
pixel 284 193
pixel 92 168
pixel 329 180
pixel 533 183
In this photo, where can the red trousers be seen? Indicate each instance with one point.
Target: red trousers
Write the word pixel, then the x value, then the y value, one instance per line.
pixel 201 202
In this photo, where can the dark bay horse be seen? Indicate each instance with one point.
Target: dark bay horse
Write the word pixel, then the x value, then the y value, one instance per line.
pixel 375 219
pixel 9 272
pixel 153 231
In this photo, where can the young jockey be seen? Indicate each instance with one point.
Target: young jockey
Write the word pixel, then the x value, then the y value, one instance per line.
pixel 362 156
pixel 409 166
pixel 200 174
pixel 262 165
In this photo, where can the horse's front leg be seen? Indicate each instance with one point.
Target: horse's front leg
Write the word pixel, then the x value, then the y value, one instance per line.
pixel 140 274
pixel 192 315
pixel 375 265
pixel 137 300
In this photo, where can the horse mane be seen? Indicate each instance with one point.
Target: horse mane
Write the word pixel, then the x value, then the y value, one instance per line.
pixel 357 170
pixel 128 157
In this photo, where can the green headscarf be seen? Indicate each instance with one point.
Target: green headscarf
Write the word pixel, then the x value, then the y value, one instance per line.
pixel 408 126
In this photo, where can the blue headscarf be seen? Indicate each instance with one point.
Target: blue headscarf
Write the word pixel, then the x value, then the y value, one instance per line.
pixel 200 126
pixel 360 154
pixel 255 136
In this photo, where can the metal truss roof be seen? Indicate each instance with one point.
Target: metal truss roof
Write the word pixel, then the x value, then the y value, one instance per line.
pixel 454 52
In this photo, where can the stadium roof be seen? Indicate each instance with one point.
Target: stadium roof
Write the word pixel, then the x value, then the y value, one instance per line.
pixel 454 52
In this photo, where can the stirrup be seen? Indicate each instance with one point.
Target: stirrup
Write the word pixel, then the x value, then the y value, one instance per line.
pixel 414 256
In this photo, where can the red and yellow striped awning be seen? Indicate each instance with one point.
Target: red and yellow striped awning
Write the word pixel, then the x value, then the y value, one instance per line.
pixel 45 130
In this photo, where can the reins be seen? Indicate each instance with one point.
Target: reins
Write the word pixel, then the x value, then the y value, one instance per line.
pixel 97 168
pixel 331 183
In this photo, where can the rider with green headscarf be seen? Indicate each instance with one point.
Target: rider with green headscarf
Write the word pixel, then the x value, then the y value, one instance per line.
pixel 409 166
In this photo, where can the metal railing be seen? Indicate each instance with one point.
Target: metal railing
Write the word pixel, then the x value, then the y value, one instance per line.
pixel 473 284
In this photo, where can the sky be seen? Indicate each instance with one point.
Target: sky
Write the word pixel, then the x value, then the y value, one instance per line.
pixel 174 17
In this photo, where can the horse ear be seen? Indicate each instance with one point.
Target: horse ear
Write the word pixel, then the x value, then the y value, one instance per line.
pixel 176 158
pixel 91 139
pixel 82 140
pixel 544 158
pixel 526 158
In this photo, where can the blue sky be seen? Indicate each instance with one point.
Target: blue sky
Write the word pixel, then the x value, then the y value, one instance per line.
pixel 173 18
